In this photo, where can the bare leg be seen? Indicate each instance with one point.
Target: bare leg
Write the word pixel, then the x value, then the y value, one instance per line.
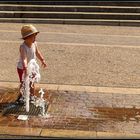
pixel 20 86
pixel 32 89
pixel 20 93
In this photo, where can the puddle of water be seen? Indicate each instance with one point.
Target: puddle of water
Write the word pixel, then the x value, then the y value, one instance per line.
pixel 117 114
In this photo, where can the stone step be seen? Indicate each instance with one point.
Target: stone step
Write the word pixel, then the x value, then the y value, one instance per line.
pixel 73 21
pixel 70 15
pixel 70 8
pixel 75 2
pixel 74 11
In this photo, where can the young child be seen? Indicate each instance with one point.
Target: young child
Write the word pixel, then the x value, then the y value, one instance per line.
pixel 28 50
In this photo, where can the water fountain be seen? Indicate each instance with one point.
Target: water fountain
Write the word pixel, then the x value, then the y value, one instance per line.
pixel 33 76
pixel 41 102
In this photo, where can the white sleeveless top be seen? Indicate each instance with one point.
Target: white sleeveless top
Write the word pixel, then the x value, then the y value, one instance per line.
pixel 30 53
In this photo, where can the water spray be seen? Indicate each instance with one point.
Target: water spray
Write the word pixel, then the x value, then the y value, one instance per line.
pixel 40 102
pixel 32 76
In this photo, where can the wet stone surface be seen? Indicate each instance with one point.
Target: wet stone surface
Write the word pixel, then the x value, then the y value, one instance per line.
pixel 73 110
pixel 9 105
pixel 19 109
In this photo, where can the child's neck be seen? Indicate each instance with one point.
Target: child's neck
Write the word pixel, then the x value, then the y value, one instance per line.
pixel 29 44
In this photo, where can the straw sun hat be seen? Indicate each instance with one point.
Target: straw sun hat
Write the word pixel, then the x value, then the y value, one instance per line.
pixel 28 30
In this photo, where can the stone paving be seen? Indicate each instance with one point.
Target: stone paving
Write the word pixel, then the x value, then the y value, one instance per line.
pixel 94 114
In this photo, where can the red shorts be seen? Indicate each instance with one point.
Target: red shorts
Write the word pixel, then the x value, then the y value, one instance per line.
pixel 20 73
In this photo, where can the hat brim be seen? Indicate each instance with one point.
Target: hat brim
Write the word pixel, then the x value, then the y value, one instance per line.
pixel 29 35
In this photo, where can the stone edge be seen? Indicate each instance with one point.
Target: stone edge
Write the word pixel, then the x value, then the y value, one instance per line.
pixel 77 88
pixel 61 133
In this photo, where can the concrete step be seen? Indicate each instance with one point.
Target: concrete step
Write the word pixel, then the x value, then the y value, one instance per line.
pixel 73 21
pixel 70 15
pixel 70 8
pixel 75 11
pixel 75 2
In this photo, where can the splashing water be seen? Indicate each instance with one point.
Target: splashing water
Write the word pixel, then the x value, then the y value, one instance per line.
pixel 33 71
pixel 33 75
pixel 41 102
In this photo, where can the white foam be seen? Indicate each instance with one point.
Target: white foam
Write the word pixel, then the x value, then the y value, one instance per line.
pixel 22 117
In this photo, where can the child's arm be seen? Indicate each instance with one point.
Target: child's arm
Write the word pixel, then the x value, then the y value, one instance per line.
pixel 24 59
pixel 40 57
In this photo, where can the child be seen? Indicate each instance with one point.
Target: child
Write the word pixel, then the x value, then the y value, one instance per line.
pixel 28 50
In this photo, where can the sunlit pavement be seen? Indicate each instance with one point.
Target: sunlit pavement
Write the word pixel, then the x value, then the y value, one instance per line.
pixel 77 54
pixel 79 112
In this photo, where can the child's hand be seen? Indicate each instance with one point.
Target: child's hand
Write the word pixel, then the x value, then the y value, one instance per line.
pixel 44 64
